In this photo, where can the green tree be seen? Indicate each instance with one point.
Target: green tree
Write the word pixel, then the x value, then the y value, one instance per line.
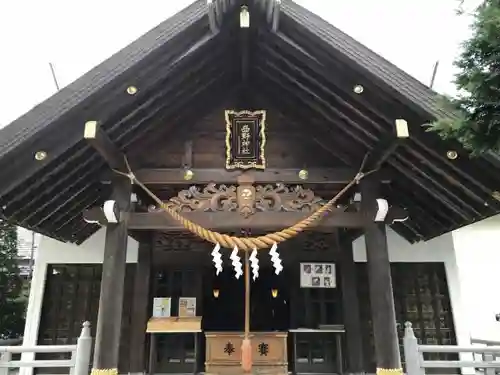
pixel 12 304
pixel 477 107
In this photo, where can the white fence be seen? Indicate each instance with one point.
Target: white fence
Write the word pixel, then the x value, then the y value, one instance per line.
pixel 416 365
pixel 78 364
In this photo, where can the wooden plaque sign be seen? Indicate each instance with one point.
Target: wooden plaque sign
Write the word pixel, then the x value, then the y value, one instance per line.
pixel 245 139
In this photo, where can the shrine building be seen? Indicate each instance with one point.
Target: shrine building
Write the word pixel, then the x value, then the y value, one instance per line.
pixel 244 173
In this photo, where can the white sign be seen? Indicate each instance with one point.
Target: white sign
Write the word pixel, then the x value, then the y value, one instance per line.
pixel 317 275
pixel 162 307
pixel 187 306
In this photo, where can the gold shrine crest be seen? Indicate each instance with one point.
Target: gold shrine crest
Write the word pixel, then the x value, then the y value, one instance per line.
pixel 245 139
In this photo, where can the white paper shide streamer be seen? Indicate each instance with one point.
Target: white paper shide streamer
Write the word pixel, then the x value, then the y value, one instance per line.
pixel 275 259
pixel 236 262
pixel 217 259
pixel 254 264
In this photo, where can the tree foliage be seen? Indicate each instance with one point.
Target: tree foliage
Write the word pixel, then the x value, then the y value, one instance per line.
pixel 477 125
pixel 12 305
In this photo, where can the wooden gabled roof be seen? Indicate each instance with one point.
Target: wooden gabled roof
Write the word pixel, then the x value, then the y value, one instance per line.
pixel 306 67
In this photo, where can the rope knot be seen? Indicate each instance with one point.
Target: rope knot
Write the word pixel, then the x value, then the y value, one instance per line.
pixel 131 176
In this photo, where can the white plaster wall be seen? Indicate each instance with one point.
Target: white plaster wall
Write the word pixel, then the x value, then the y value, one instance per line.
pixel 477 253
pixel 91 251
pixel 51 251
pixel 437 250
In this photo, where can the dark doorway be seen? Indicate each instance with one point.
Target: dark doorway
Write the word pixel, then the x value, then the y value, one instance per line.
pixel 269 302
pixel 224 302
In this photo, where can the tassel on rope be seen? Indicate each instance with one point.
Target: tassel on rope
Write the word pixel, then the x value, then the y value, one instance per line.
pixel 246 355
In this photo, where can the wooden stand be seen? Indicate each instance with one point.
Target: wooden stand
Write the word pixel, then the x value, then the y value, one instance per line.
pixel 223 353
pixel 173 324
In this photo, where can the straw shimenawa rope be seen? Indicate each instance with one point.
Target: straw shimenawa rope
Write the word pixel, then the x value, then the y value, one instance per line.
pixel 248 243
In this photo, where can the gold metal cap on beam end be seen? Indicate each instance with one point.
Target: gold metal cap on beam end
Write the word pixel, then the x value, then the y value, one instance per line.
pixel 188 175
pixel 132 90
pixel 358 89
pixel 451 154
pixel 303 174
pixel 40 155
pixel 402 128
pixel 90 129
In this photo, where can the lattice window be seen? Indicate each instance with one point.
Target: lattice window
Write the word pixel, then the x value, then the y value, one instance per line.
pixel 72 297
pixel 421 296
pixel 315 307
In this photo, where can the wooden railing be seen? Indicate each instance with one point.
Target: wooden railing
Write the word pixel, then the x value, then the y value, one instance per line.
pixel 78 364
pixel 416 364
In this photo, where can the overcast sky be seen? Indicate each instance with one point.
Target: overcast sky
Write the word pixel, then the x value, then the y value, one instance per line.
pixel 76 36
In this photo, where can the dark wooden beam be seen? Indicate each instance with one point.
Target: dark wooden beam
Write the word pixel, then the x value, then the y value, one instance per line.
pixel 96 137
pixel 269 176
pixel 231 220
pixel 260 220
pixel 387 145
pixel 380 285
pixel 109 319
pixel 351 311
pixel 140 308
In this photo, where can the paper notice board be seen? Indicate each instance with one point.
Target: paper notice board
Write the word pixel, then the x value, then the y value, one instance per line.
pixel 317 275
pixel 187 306
pixel 162 307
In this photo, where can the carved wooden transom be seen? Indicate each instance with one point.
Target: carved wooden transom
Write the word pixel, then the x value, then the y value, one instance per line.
pixel 180 241
pixel 213 198
pixel 310 242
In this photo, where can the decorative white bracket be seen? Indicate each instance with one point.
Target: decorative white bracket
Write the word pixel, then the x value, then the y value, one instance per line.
pixel 111 212
pixel 382 210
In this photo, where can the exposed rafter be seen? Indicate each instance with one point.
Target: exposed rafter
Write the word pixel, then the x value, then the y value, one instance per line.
pixel 275 15
pixel 213 11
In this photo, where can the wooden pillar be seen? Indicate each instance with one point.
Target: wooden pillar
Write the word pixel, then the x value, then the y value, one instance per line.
pixel 109 319
pixel 140 308
pixel 387 355
pixel 350 305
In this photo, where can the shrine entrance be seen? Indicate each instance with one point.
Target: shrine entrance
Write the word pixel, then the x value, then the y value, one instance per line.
pixel 266 305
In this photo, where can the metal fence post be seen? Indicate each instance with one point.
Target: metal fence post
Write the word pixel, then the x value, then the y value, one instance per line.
pixel 83 349
pixel 5 358
pixel 411 352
